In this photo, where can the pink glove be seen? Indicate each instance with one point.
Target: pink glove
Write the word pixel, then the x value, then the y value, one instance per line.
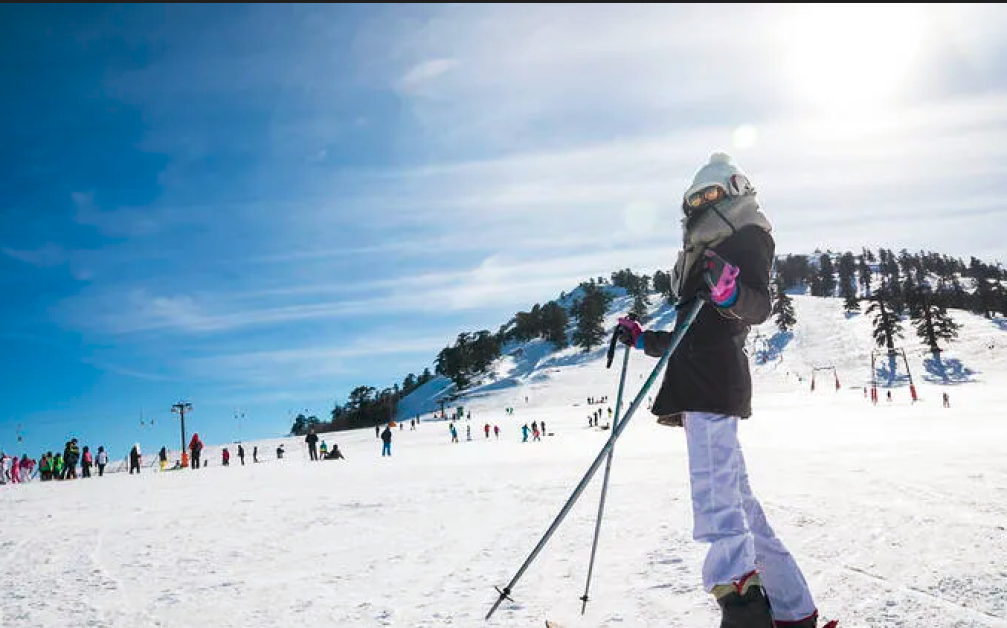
pixel 629 331
pixel 720 275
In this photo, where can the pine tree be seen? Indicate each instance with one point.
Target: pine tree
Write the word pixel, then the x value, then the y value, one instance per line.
pixel 827 273
pixel 887 325
pixel 554 322
pixel 932 322
pixel 590 314
pixel 794 270
pixel 936 324
pixel 662 285
pixel 983 298
pixel 864 274
pixel 851 304
pixel 847 273
pixel 783 307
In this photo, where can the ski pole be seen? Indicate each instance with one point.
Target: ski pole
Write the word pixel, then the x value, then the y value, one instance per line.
pixel 604 484
pixel 676 339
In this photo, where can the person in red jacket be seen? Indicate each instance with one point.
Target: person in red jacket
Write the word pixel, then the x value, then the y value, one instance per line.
pixel 195 449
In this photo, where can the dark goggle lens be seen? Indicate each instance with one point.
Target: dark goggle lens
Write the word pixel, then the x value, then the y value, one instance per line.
pixel 706 196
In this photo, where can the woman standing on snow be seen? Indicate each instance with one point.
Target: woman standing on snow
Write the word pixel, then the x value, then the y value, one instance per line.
pixel 727 256
pixel 195 449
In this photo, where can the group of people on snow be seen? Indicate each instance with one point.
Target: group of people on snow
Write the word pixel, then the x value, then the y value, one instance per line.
pixel 53 466
pixel 312 440
pixel 592 419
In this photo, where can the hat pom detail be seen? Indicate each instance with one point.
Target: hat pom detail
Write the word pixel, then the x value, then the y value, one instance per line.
pixel 720 158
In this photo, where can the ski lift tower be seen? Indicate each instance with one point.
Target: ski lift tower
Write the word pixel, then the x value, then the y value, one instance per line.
pixel 891 353
pixel 180 409
pixel 816 369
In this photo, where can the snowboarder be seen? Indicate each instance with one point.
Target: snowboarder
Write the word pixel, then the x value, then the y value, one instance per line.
pixel 279 452
pixel 312 440
pixel 535 434
pixel 727 256
pixel 255 453
pixel 524 433
pixel 496 432
pixel 486 430
pixel 225 457
pixel 162 457
pixel 386 439
pixel 454 432
pixel 543 428
pixel 102 460
pixel 241 454
pixel 195 449
pixel 947 401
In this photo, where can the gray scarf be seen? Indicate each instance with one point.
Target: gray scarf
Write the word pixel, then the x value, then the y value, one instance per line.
pixel 710 228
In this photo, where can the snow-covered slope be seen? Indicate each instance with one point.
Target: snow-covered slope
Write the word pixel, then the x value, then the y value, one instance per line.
pixel 896 512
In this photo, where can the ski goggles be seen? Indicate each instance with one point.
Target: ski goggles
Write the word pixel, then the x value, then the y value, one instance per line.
pixel 738 185
pixel 704 197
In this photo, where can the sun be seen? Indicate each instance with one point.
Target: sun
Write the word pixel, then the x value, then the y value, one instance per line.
pixel 851 59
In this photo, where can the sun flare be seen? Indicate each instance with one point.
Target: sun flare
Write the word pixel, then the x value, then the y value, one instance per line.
pixel 852 59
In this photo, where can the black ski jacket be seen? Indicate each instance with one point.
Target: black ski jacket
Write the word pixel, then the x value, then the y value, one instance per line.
pixel 709 370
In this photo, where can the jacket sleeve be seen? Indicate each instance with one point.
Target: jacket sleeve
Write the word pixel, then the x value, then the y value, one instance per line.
pixel 751 250
pixel 655 343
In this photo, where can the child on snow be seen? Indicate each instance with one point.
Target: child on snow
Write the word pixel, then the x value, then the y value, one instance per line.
pixel 726 257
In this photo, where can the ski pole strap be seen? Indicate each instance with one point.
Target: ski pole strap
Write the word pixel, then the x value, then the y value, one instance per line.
pixel 615 341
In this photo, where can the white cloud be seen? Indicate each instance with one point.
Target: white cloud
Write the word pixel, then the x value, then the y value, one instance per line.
pixel 306 364
pixel 423 74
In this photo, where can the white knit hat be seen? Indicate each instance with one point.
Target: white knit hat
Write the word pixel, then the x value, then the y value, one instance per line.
pixel 720 171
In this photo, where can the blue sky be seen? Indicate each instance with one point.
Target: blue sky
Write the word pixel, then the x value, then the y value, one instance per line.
pixel 256 208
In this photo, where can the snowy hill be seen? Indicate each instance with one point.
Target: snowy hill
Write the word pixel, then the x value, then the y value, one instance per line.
pixel 825 336
pixel 896 512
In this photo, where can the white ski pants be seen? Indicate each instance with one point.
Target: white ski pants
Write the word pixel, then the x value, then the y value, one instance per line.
pixel 728 516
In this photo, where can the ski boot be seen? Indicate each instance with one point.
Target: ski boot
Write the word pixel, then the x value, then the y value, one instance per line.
pixel 744 604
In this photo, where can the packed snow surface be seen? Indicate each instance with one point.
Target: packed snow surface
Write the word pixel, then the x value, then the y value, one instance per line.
pixel 895 512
